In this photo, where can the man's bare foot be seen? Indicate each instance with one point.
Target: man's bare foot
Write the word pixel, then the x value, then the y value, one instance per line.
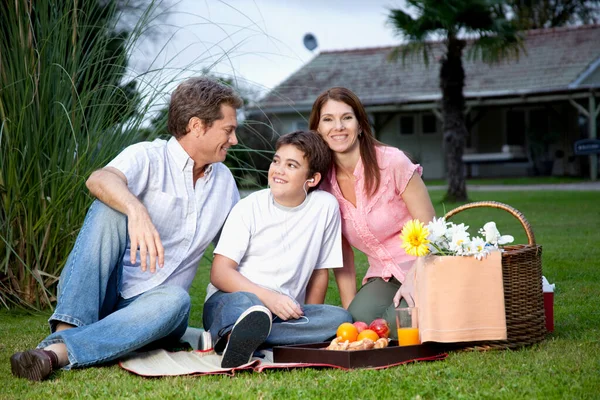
pixel 63 326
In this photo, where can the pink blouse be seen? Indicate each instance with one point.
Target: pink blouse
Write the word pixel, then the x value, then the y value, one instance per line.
pixel 374 225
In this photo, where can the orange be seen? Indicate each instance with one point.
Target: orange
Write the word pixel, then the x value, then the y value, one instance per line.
pixel 368 334
pixel 347 331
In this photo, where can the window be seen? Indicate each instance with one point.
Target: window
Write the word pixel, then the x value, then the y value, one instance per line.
pixel 538 122
pixel 429 122
pixel 300 125
pixel 515 127
pixel 407 125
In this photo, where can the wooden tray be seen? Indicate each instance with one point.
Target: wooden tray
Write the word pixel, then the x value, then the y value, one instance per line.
pixel 315 353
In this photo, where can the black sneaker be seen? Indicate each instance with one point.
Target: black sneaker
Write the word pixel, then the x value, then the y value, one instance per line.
pixel 249 331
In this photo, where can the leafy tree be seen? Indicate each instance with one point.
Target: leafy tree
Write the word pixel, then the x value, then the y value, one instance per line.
pixel 491 37
pixel 536 14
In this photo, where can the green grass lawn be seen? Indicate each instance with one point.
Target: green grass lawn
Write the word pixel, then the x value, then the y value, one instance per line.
pixel 566 365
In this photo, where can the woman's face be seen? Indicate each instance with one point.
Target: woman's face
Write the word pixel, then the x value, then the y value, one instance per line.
pixel 339 127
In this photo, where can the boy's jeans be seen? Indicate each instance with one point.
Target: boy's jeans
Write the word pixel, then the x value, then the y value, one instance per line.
pixel 108 326
pixel 319 323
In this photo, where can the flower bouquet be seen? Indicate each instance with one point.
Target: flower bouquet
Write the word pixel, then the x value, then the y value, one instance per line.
pixel 443 238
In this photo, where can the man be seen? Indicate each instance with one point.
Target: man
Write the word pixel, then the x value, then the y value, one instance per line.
pixel 159 204
pixel 272 243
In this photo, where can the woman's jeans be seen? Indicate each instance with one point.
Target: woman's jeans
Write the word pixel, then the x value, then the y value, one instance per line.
pixel 106 325
pixel 319 323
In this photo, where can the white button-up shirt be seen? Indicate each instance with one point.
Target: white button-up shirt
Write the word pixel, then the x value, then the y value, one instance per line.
pixel 187 217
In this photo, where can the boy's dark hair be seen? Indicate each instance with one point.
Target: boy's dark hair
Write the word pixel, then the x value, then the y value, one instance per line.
pixel 315 150
pixel 199 97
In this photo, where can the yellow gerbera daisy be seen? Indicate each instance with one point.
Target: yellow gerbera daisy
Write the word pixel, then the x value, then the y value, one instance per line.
pixel 414 238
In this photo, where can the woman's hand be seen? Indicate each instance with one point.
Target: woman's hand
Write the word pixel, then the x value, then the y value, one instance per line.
pixel 407 289
pixel 402 293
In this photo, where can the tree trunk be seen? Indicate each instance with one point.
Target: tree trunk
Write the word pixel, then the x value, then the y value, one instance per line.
pixel 452 81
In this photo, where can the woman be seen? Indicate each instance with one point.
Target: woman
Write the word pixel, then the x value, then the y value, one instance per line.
pixel 378 189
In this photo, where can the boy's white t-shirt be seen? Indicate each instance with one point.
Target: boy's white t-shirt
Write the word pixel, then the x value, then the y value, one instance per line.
pixel 278 247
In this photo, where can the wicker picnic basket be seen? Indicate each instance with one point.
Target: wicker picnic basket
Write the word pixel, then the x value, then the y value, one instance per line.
pixel 522 279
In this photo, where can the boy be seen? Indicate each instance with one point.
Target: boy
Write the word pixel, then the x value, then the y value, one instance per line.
pixel 271 243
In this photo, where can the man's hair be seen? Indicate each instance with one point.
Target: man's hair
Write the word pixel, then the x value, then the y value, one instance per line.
pixel 199 97
pixel 316 152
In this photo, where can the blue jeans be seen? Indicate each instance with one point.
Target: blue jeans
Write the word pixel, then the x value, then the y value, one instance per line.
pixel 319 323
pixel 106 325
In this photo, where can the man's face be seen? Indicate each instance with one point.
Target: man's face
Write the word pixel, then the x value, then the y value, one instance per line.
pixel 288 174
pixel 220 136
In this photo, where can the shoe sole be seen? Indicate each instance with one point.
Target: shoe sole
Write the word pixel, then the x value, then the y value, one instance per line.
pixel 30 366
pixel 245 339
pixel 205 341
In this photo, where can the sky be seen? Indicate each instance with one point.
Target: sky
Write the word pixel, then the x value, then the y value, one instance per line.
pixel 259 43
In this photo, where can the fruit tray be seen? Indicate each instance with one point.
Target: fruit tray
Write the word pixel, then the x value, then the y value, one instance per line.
pixel 315 353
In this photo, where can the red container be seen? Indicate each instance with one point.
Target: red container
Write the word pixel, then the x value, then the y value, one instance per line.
pixel 549 309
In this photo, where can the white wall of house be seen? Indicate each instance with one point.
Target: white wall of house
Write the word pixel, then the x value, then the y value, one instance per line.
pixel 420 136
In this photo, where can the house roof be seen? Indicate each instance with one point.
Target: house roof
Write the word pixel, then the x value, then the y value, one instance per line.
pixel 555 59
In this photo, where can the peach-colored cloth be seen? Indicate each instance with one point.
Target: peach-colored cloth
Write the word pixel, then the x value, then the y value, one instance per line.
pixel 460 299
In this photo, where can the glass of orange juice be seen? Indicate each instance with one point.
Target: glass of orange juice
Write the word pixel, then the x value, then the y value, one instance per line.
pixel 408 328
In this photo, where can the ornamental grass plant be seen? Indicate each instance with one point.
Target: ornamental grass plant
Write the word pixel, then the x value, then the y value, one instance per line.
pixel 66 108
pixel 68 105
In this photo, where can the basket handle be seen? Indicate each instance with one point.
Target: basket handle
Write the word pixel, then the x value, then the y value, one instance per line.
pixel 494 204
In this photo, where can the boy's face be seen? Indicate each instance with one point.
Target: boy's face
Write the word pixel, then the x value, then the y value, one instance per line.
pixel 288 175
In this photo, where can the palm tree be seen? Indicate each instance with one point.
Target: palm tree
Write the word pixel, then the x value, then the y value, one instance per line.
pixel 478 25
